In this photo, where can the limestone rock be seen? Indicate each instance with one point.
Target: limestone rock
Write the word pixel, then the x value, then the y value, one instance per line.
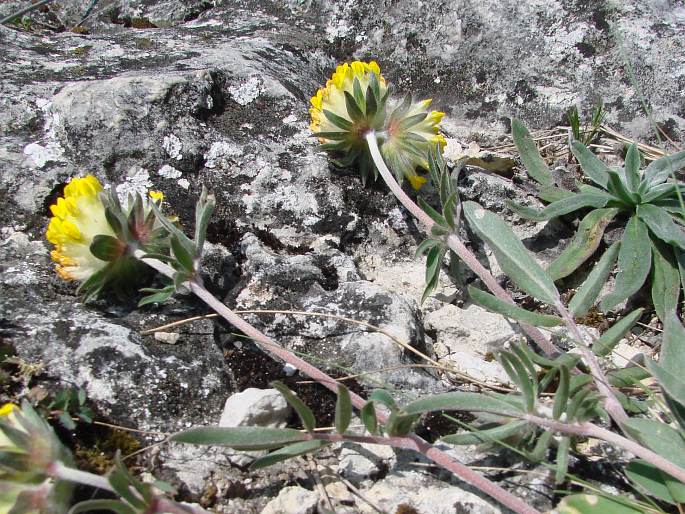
pixel 293 500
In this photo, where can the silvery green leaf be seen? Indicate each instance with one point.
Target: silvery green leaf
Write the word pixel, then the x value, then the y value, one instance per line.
pixel 462 401
pixel 305 413
pixel 487 435
pixel 655 481
pixel 584 243
pixel 662 225
pixel 589 290
pixel 659 170
pixel 610 338
pixel 535 166
pixel 560 207
pixel 343 410
pixel 632 167
pixel 240 438
pixel 634 263
pixel 595 169
pixel 510 310
pixel 665 280
pixel 512 256
pixel 287 452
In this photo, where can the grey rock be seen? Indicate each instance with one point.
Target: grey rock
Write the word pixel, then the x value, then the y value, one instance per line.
pixel 466 338
pixel 293 500
pixel 255 407
pixel 425 494
pixel 364 461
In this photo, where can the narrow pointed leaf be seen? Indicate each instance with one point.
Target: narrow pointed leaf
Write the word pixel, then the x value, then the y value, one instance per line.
pixel 338 121
pixel 665 280
pixel 660 438
pixel 626 377
pixel 560 207
pixel 592 166
pixel 562 459
pixel 512 256
pixel 589 290
pixel 540 450
pixel 240 438
pixel 659 170
pixel 343 410
pixel 551 193
pixel 116 506
pixel 305 413
pixel 183 256
pixel 462 401
pixel 518 374
pixel 368 415
pixel 410 121
pixel 370 102
pixel 510 310
pixel 535 166
pixel 632 167
pixel 609 339
pixel 287 452
pixel 620 190
pixel 662 225
pixel 584 243
pixel 593 504
pixel 384 398
pixel 498 433
pixel 435 215
pixel 562 392
pixel 669 370
pixel 634 263
pixel 652 480
pixel 353 109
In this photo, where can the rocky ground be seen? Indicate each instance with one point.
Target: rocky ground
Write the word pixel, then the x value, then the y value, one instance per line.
pixel 171 95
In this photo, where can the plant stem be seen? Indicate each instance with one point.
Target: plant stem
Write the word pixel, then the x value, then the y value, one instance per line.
pixel 412 441
pixel 59 470
pixel 591 430
pixel 611 403
pixel 454 243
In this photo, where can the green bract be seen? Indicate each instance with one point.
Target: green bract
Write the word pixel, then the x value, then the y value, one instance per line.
pixel 649 202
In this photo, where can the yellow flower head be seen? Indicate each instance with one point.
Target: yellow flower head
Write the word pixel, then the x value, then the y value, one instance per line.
pixel 77 218
pixel 353 103
pixel 8 415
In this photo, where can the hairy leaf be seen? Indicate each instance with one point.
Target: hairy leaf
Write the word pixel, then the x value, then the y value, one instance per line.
pixel 305 413
pixel 343 409
pixel 609 339
pixel 487 435
pixel 634 263
pixel 655 482
pixel 240 438
pixel 595 169
pixel 665 280
pixel 589 290
pixel 593 504
pixel 632 167
pixel 287 452
pixel 661 223
pixel 584 243
pixel 512 256
pixel 659 170
pixel 510 310
pixel 535 166
pixel 462 401
pixel 560 207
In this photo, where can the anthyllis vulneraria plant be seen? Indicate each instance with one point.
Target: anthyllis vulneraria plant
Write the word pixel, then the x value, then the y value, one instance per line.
pixel 357 101
pixel 94 235
pixel 650 203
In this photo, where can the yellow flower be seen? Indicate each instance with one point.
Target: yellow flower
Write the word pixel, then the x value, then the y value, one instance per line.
pixel 77 219
pixel 332 96
pixel 411 133
pixel 7 416
pixel 354 103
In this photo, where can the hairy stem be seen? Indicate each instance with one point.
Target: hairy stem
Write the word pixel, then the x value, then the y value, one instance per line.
pixel 592 430
pixel 413 441
pixel 611 403
pixel 59 470
pixel 454 243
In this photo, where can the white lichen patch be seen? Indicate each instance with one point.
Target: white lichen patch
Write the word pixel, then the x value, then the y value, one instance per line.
pixel 182 182
pixel 39 154
pixel 137 182
pixel 220 153
pixel 248 91
pixel 172 146
pixel 169 172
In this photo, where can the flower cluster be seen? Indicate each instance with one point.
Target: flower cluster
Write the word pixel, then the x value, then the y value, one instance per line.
pixel 94 235
pixel 28 447
pixel 356 101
